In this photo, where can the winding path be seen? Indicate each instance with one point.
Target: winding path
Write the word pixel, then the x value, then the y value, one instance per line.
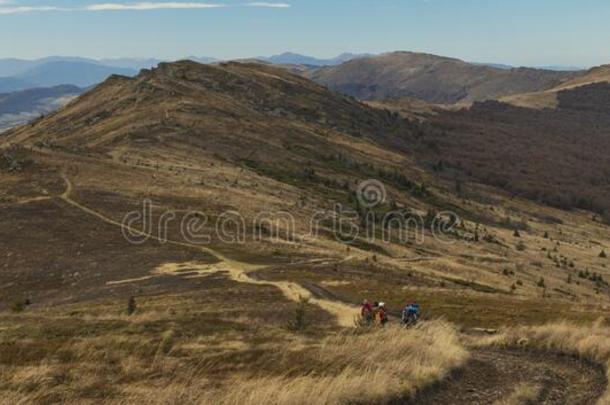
pixel 238 271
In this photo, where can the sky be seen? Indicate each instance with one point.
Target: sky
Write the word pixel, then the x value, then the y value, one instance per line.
pixel 515 32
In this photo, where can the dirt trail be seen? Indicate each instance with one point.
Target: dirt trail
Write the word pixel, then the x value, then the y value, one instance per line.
pixel 494 375
pixel 238 271
pixel 30 200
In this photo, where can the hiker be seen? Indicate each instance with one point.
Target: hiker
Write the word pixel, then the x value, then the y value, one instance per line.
pixel 366 312
pixel 410 315
pixel 381 315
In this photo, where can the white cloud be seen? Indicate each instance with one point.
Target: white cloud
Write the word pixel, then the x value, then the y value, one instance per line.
pixel 26 9
pixel 149 6
pixel 8 6
pixel 268 5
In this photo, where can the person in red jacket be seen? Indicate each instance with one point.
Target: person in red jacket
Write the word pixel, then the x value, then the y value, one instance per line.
pixel 366 312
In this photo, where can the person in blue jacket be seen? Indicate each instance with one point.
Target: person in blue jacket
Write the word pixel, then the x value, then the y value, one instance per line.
pixel 410 314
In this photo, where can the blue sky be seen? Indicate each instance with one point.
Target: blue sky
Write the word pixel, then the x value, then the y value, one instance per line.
pixel 521 32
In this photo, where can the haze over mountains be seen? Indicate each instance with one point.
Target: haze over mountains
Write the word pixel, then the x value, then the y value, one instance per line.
pixel 22 106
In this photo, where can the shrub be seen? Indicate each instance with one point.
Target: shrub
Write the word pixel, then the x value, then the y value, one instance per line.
pixel 299 322
pixel 131 306
pixel 167 342
pixel 603 254
pixel 521 246
pixel 541 283
pixel 18 306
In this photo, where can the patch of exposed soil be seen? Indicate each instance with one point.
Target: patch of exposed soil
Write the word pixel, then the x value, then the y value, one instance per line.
pixel 493 374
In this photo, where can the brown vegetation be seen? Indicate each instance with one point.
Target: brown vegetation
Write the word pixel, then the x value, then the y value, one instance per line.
pixel 557 157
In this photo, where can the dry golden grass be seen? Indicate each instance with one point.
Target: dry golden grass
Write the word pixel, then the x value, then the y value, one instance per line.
pixel 358 365
pixel 353 366
pixel 590 342
pixel 522 394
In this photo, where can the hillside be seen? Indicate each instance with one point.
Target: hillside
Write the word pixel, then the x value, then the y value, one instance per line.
pixel 431 78
pixel 549 98
pixel 555 156
pixel 207 129
pixel 206 233
pixel 174 100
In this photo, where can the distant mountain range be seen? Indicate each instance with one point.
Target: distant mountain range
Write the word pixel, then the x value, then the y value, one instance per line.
pixel 398 76
pixel 19 107
pixel 566 68
pixel 432 78
pixel 54 72
pixel 81 74
pixel 289 58
pixel 20 74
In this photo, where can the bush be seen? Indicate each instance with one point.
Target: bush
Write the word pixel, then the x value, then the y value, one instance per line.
pixel 167 342
pixel 300 322
pixel 132 307
pixel 18 306
pixel 541 283
pixel 521 246
pixel 603 254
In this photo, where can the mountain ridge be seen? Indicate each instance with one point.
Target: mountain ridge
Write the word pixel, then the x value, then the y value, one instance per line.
pixel 431 78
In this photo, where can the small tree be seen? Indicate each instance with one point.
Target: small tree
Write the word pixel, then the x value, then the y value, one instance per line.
pixel 516 234
pixel 299 322
pixel 541 283
pixel 131 306
pixel 18 306
pixel 603 254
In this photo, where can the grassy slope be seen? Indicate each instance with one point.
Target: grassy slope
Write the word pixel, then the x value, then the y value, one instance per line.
pixel 196 331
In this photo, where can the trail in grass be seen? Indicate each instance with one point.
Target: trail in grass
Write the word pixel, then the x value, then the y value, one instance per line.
pixel 237 271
